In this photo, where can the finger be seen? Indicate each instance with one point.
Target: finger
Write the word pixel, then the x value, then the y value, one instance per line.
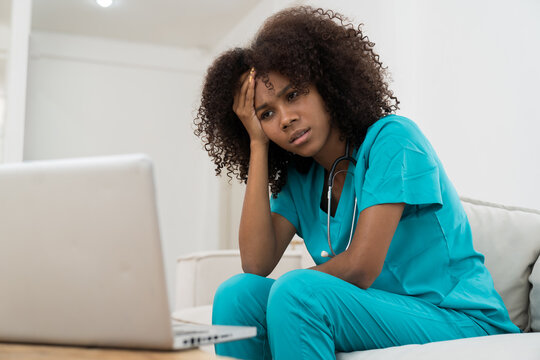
pixel 242 101
pixel 240 106
pixel 250 93
pixel 244 79
pixel 249 84
pixel 244 76
pixel 241 94
pixel 238 92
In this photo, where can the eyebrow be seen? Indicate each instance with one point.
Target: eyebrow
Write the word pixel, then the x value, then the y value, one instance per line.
pixel 281 92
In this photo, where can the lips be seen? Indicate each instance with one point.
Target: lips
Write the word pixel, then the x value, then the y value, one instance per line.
pixel 297 134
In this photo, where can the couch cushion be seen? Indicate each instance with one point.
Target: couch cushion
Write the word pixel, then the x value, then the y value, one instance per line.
pixel 508 346
pixel 509 238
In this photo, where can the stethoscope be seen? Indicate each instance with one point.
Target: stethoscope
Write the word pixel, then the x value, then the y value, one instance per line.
pixel 331 177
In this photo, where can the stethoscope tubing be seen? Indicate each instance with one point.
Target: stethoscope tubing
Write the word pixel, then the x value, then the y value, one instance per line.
pixel 331 176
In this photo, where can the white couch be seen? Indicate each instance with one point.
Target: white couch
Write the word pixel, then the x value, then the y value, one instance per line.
pixel 509 237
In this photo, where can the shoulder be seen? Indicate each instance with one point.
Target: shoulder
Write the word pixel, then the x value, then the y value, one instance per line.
pixel 394 125
pixel 395 136
pixel 393 131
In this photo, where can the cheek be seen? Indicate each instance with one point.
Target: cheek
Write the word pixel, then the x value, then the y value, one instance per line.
pixel 270 130
pixel 267 129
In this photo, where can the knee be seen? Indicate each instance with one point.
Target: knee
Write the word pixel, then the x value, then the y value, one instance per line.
pixel 240 294
pixel 291 290
pixel 236 288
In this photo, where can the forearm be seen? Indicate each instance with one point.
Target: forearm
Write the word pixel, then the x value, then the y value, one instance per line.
pixel 256 236
pixel 346 267
pixel 363 261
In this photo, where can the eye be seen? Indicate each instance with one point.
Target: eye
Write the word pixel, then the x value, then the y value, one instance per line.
pixel 292 95
pixel 266 115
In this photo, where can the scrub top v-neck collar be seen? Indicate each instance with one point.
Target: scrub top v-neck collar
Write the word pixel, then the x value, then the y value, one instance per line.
pixel 345 192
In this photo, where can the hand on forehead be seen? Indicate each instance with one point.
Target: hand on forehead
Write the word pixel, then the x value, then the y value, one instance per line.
pixel 270 87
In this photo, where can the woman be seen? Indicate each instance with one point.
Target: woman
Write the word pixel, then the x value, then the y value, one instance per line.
pixel 307 91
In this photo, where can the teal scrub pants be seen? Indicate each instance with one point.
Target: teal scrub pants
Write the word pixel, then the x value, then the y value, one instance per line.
pixel 307 314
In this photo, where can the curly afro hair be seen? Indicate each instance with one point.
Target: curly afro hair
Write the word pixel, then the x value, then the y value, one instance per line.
pixel 307 46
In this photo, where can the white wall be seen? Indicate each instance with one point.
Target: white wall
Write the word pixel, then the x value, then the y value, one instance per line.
pixel 91 96
pixel 467 72
pixel 4 45
pixel 16 76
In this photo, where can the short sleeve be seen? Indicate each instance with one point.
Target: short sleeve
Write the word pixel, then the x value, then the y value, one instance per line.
pixel 284 205
pixel 401 168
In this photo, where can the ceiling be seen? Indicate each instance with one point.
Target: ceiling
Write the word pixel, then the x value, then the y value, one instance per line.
pixel 182 23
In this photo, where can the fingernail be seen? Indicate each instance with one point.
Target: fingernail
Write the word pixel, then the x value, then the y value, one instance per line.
pixel 252 70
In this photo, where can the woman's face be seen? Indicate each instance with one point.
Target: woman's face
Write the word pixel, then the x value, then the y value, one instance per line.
pixel 297 122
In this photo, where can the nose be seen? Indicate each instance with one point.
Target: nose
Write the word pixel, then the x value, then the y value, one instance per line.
pixel 287 119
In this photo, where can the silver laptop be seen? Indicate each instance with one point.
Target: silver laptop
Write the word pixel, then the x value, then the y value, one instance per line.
pixel 81 260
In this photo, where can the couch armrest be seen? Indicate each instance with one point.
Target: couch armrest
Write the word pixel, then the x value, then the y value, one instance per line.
pixel 198 275
pixel 534 297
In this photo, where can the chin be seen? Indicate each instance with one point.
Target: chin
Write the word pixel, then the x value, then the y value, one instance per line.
pixel 306 153
pixel 303 156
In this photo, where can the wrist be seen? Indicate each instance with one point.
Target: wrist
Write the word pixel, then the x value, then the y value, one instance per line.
pixel 260 144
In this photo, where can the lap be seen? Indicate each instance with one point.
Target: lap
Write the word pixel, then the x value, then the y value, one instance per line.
pixel 354 318
pixel 365 319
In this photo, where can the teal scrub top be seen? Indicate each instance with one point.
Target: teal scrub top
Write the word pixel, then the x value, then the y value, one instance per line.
pixel 431 255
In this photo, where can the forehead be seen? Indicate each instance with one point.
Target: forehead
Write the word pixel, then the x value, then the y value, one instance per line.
pixel 276 82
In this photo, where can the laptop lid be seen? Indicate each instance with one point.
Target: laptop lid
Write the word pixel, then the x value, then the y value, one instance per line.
pixel 80 254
